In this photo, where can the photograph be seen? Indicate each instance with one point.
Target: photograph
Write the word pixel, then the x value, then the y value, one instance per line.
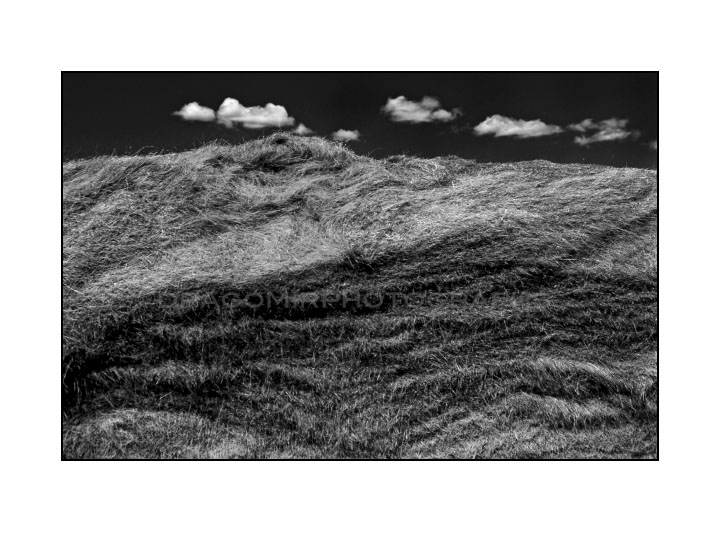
pixel 359 265
pixel 371 270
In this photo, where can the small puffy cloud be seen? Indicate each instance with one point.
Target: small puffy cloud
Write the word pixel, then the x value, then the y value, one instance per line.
pixel 589 125
pixel 584 126
pixel 302 130
pixel 195 112
pixel 343 135
pixel 503 126
pixel 255 117
pixel 426 111
pixel 602 131
pixel 653 145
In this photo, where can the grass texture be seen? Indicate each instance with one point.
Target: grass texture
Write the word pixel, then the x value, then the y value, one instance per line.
pixel 287 298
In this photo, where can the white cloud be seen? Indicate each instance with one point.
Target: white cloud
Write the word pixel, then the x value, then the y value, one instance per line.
pixel 343 135
pixel 426 111
pixel 653 145
pixel 503 126
pixel 602 131
pixel 590 125
pixel 583 127
pixel 254 117
pixel 195 112
pixel 302 130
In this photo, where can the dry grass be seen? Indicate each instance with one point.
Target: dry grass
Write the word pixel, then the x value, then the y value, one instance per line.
pixel 556 350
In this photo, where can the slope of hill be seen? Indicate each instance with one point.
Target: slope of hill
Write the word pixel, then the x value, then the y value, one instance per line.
pixel 287 298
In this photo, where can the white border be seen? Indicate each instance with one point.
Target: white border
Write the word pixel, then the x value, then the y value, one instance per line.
pixel 44 497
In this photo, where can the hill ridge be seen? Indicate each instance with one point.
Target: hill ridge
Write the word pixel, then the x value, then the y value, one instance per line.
pixel 562 255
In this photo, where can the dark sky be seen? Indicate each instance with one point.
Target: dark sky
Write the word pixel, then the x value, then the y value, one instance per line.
pixel 121 113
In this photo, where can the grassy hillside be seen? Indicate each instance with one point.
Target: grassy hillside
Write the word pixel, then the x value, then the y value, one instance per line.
pixel 286 298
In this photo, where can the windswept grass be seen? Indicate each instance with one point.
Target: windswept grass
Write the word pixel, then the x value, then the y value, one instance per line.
pixel 288 298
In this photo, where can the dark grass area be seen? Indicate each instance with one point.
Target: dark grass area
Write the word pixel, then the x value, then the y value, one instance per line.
pixel 288 298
